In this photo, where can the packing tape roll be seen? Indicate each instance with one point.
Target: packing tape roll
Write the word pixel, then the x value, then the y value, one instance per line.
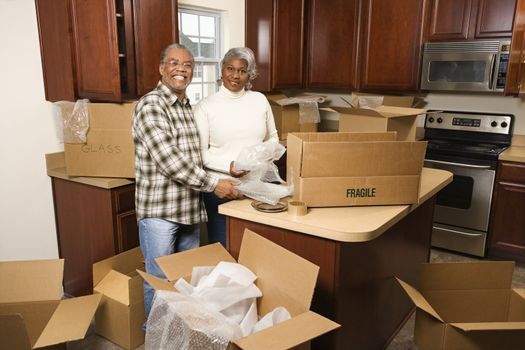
pixel 297 208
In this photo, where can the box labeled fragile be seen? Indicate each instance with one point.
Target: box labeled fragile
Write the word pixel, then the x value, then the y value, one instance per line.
pixel 383 113
pixel 347 169
pixel 284 278
pixel 287 118
pixel 121 313
pixel 109 150
pixel 468 306
pixel 32 312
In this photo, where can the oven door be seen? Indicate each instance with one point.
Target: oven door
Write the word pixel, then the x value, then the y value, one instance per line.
pixel 465 202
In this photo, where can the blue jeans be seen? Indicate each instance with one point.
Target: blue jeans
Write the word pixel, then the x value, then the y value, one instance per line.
pixel 159 237
pixel 216 222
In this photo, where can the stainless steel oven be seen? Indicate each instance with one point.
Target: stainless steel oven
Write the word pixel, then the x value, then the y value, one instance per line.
pixel 466 144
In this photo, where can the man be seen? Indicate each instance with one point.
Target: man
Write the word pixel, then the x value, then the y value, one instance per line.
pixel 168 166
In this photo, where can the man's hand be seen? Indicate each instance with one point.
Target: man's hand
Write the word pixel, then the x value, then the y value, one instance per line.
pixel 225 189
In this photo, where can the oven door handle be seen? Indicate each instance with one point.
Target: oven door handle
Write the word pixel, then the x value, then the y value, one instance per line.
pixel 459 164
pixel 459 232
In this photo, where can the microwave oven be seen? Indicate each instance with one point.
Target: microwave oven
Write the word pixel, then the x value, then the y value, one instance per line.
pixel 465 66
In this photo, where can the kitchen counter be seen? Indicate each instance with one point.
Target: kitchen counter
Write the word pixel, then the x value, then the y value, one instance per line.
pixel 56 167
pixel 359 251
pixel 345 224
pixel 516 152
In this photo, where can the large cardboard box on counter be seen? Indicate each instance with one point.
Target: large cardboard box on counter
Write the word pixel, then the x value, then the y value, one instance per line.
pixel 287 117
pixel 396 113
pixel 109 150
pixel 468 306
pixel 32 314
pixel 346 169
pixel 121 313
pixel 285 279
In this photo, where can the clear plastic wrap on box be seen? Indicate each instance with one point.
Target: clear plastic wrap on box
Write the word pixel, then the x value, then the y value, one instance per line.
pixel 73 120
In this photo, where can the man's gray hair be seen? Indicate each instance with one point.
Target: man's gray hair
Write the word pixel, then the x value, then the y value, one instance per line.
pixel 164 52
pixel 246 54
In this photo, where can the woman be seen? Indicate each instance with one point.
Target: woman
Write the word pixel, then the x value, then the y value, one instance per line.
pixel 228 121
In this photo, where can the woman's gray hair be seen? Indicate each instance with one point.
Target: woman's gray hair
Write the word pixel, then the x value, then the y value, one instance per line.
pixel 164 52
pixel 242 53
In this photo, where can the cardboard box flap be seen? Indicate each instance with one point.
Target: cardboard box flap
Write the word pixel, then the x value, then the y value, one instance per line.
pixel 19 278
pixel 70 321
pixel 273 98
pixel 116 286
pixel 13 332
pixel 291 287
pixel 466 275
pixel 331 137
pixel 125 263
pixel 110 115
pixel 489 326
pixel 157 283
pixel 520 291
pixel 387 100
pixel 381 111
pixel 419 299
pixel 181 264
pixel 288 334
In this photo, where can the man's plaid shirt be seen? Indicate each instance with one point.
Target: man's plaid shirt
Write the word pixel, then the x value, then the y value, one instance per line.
pixel 168 164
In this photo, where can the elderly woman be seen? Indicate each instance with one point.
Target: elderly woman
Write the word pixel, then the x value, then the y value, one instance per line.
pixel 228 121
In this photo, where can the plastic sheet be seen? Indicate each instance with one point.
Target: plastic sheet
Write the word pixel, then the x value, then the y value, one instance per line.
pixel 257 184
pixel 73 120
pixel 308 107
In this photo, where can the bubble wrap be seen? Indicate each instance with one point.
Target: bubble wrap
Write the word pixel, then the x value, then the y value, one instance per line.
pixel 74 120
pixel 179 322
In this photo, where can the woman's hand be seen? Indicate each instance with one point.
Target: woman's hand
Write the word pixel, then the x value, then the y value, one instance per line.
pixel 235 173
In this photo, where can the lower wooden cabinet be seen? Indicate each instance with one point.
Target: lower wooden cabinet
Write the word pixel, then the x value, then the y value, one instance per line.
pixel 93 223
pixel 507 224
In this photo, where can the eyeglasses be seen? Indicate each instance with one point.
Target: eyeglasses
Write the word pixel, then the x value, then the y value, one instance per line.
pixel 175 63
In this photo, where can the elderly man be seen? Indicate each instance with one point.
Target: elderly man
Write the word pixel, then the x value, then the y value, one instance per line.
pixel 168 166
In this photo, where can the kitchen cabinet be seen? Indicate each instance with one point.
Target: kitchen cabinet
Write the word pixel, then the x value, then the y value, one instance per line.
pixel 469 19
pixel 515 83
pixel 333 28
pixel 391 45
pixel 275 33
pixel 93 223
pixel 104 50
pixel 507 223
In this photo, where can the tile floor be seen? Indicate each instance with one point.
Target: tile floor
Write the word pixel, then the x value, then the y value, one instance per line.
pixel 403 341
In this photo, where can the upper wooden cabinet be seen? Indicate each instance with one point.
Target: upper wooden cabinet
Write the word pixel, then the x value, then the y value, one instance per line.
pixel 275 33
pixel 333 28
pixel 515 83
pixel 469 19
pixel 104 50
pixel 391 45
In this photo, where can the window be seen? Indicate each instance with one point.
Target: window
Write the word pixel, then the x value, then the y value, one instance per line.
pixel 199 31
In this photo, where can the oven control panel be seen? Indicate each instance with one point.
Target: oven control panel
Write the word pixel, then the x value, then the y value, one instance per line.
pixel 489 123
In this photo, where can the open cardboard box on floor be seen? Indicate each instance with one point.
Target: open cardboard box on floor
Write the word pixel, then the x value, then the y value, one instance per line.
pixel 109 150
pixel 121 313
pixel 468 306
pixel 32 314
pixel 287 117
pixel 345 169
pixel 284 278
pixel 395 113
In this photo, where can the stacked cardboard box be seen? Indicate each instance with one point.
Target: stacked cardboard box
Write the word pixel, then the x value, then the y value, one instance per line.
pixel 287 117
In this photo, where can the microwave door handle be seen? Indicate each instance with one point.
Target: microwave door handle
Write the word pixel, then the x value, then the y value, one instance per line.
pixel 492 71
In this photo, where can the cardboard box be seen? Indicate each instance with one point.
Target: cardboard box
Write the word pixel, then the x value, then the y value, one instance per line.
pixel 287 117
pixel 109 150
pixel 121 313
pixel 395 114
pixel 468 306
pixel 32 314
pixel 285 279
pixel 346 169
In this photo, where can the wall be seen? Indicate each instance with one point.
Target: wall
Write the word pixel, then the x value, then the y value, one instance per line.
pixel 26 121
pixel 28 129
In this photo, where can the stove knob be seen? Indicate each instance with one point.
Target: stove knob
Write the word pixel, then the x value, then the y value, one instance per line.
pixel 440 120
pixel 493 124
pixel 431 119
pixel 504 124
